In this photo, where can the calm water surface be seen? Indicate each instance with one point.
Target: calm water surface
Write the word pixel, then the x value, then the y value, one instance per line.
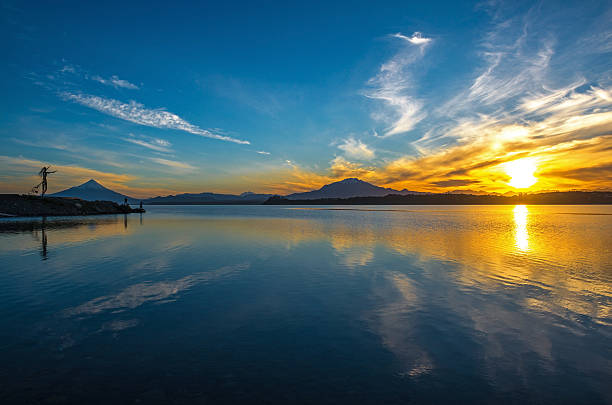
pixel 258 304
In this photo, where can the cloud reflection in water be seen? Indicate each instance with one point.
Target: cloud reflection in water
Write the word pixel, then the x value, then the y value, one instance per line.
pixel 141 293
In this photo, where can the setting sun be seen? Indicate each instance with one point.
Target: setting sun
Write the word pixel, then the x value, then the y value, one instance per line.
pixel 521 172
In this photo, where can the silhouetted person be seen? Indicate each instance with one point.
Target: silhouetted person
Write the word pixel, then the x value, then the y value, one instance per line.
pixel 125 202
pixel 141 205
pixel 43 173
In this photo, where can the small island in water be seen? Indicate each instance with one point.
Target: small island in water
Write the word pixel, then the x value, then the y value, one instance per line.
pixel 15 205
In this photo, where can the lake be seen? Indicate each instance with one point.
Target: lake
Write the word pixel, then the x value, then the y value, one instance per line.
pixel 268 304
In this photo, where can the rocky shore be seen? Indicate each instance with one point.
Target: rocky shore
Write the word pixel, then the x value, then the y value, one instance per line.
pixel 15 205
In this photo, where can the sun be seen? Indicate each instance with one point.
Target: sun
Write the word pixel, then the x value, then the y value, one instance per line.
pixel 521 172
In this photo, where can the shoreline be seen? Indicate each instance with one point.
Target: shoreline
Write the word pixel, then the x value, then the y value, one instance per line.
pixel 24 206
pixel 548 198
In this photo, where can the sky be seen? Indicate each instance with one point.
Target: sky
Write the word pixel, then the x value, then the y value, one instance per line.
pixel 152 98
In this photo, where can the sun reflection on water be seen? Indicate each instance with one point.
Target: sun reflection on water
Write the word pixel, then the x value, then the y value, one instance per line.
pixel 520 228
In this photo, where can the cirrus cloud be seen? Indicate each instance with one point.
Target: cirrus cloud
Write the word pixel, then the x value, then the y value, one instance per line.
pixel 173 164
pixel 115 81
pixel 155 144
pixel 139 114
pixel 394 86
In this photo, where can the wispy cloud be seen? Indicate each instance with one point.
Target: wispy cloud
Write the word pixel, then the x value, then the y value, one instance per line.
pixel 115 82
pixel 69 72
pixel 568 101
pixel 173 164
pixel 68 79
pixel 355 149
pixel 509 75
pixel 139 114
pixel 156 144
pixel 416 38
pixel 394 86
pixel 567 131
pixel 263 152
pixel 516 60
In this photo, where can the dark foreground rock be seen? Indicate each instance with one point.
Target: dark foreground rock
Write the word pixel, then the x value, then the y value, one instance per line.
pixel 34 206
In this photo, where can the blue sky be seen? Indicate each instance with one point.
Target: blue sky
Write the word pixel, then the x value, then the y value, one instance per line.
pixel 152 98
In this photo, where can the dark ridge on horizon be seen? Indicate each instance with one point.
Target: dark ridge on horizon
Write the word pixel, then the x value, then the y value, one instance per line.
pixel 347 191
pixel 545 198
pixel 208 199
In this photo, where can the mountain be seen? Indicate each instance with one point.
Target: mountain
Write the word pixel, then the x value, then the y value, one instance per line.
pixel 348 188
pixel 209 198
pixel 94 191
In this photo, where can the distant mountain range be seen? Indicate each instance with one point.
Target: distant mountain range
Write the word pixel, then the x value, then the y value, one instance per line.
pixel 348 188
pixel 209 198
pixel 341 189
pixel 347 191
pixel 94 191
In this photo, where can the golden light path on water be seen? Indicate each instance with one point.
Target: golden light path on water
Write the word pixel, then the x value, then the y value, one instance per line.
pixel 520 232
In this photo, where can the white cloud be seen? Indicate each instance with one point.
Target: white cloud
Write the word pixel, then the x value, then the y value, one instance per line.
pixel 416 38
pixel 568 101
pixel 115 82
pixel 510 75
pixel 77 71
pixel 173 164
pixel 516 60
pixel 393 85
pixel 545 99
pixel 356 149
pixel 139 114
pixel 262 152
pixel 156 144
